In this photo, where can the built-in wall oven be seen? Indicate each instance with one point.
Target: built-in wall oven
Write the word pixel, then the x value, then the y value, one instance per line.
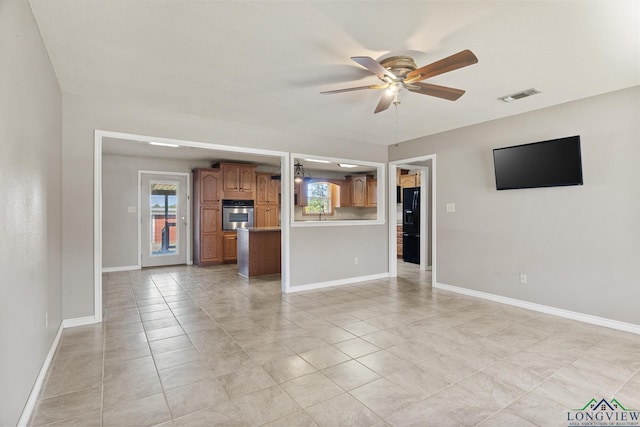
pixel 237 214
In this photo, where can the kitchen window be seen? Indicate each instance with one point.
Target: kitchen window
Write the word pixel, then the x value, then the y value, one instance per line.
pixel 320 198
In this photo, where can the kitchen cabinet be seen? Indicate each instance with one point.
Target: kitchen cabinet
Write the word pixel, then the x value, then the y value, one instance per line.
pixel 372 193
pixel 359 191
pixel 266 216
pixel 267 189
pixel 207 217
pixel 345 193
pixel 238 181
pixel 407 181
pixel 399 240
pixel 230 246
pixel 210 244
pixel 300 190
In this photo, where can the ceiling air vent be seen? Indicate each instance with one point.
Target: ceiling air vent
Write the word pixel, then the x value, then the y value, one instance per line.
pixel 520 95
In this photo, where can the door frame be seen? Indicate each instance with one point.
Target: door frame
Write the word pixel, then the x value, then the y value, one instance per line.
pixel 188 254
pixel 393 215
pixel 98 137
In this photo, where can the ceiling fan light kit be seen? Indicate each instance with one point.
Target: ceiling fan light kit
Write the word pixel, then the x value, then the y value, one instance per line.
pixel 401 72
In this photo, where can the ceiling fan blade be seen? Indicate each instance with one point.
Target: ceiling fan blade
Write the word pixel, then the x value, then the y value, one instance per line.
pixel 384 103
pixel 434 90
pixel 450 63
pixel 374 66
pixel 351 89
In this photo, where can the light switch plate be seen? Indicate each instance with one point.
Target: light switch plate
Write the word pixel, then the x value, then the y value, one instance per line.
pixel 132 209
pixel 451 207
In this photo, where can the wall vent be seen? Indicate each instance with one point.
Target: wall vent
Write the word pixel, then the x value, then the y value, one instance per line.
pixel 520 95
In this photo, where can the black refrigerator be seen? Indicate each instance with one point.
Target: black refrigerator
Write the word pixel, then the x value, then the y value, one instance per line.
pixel 411 225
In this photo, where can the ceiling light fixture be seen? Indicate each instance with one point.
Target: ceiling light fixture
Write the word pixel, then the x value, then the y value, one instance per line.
pixel 163 144
pixel 317 161
pixel 298 172
pixel 347 165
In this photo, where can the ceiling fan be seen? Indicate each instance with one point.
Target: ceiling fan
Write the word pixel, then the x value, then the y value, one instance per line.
pixel 401 72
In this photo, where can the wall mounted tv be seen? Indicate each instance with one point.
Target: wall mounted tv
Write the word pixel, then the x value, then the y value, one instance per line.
pixel 552 163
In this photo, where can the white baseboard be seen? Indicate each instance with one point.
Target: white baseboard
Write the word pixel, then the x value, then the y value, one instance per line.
pixel 79 321
pixel 339 282
pixel 573 315
pixel 37 386
pixel 123 268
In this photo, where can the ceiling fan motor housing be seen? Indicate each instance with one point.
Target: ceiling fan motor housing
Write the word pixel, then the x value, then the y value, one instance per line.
pixel 400 66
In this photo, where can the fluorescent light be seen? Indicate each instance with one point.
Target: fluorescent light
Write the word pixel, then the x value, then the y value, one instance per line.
pixel 347 165
pixel 317 161
pixel 163 144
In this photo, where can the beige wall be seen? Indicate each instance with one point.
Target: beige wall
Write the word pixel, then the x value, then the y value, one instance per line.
pixel 82 116
pixel 578 245
pixel 119 191
pixel 31 138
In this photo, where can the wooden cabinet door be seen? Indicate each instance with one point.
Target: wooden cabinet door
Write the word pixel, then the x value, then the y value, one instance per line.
pixel 230 246
pixel 259 216
pixel 210 219
pixel 230 178
pixel 345 193
pixel 301 191
pixel 210 248
pixel 372 192
pixel 266 216
pixel 274 191
pixel 407 181
pixel 271 216
pixel 247 178
pixel 262 188
pixel 359 196
pixel 209 186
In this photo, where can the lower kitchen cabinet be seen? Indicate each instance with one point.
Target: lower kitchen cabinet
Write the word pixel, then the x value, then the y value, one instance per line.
pixel 230 246
pixel 266 216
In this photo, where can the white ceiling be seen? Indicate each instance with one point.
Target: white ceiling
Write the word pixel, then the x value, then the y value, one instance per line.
pixel 265 62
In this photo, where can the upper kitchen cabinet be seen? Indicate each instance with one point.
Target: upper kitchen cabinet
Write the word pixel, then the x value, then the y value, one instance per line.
pixel 372 193
pixel 407 181
pixel 238 181
pixel 267 189
pixel 208 184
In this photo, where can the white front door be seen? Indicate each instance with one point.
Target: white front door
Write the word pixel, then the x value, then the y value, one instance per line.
pixel 164 219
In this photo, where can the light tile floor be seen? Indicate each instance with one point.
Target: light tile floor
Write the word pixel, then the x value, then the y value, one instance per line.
pixel 188 346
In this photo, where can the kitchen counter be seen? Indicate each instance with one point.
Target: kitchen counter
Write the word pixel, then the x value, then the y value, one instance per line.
pixel 259 251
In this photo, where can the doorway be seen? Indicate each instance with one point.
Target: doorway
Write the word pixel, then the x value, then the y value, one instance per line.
pixel 101 136
pixel 425 181
pixel 164 228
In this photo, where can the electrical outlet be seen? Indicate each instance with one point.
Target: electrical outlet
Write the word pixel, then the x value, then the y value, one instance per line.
pixel 46 319
pixel 355 260
pixel 523 278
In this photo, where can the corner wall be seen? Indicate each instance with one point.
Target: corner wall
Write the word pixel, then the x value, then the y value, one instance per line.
pixel 31 140
pixel 578 245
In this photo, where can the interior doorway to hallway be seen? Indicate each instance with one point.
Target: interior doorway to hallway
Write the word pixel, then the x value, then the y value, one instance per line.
pixel 412 221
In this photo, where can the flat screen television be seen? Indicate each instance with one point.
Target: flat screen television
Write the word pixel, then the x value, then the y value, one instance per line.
pixel 552 163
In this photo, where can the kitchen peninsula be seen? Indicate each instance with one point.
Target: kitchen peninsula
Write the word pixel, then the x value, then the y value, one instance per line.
pixel 258 251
